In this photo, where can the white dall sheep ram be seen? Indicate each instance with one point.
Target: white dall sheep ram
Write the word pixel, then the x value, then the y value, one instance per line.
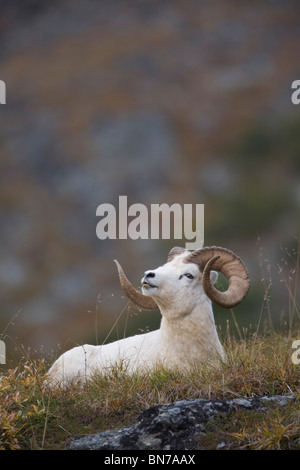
pixel 183 290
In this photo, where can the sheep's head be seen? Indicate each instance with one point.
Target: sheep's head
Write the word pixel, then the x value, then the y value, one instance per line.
pixel 187 274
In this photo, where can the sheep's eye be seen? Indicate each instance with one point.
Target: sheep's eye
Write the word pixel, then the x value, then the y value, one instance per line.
pixel 189 276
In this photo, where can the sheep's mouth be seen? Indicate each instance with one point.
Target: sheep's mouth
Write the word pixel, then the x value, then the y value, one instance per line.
pixel 147 285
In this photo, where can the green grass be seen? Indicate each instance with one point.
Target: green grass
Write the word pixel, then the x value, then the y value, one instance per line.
pixel 34 418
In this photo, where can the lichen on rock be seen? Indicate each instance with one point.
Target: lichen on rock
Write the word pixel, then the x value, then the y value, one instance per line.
pixel 174 426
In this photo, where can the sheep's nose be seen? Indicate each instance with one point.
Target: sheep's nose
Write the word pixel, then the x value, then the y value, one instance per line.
pixel 149 274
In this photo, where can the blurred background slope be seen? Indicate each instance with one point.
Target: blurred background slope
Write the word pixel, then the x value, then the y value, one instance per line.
pixel 167 101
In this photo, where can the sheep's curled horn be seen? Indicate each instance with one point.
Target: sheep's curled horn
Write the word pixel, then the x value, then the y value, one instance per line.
pixel 208 259
pixel 141 300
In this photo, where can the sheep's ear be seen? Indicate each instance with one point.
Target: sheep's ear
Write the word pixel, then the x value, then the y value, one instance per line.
pixel 177 250
pixel 213 277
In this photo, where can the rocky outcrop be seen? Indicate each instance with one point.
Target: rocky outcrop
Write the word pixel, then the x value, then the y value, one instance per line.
pixel 175 426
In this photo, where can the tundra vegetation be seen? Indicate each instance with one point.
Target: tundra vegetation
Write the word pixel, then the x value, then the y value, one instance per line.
pixel 258 363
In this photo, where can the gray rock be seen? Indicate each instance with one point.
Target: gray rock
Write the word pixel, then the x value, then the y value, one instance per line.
pixel 174 426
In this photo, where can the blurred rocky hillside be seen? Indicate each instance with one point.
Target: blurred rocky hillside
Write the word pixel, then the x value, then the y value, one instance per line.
pixel 169 101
